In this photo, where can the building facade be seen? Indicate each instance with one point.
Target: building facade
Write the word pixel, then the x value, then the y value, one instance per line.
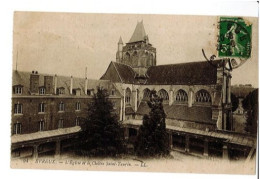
pixel 48 102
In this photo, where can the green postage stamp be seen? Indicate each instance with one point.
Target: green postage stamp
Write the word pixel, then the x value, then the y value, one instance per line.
pixel 234 37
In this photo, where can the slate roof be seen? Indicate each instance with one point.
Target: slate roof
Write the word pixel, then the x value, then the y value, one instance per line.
pixel 182 112
pixel 126 73
pixel 23 78
pixel 139 33
pixel 193 73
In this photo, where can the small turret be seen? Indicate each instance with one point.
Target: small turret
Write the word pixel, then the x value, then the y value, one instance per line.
pixel 119 54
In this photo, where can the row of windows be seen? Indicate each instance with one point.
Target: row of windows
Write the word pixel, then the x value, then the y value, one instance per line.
pixel 201 96
pixel 18 108
pixel 59 91
pixel 17 127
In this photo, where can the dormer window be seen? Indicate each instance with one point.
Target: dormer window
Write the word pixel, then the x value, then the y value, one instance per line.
pixel 41 90
pixel 90 92
pixel 76 91
pixel 60 91
pixel 18 89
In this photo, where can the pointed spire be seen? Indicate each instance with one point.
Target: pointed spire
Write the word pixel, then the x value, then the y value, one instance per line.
pixel 139 33
pixel 120 41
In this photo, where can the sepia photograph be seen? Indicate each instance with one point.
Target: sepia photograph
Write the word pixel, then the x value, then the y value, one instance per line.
pixel 134 92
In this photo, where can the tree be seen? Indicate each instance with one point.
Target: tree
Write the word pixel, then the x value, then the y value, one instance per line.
pixel 102 133
pixel 250 104
pixel 234 101
pixel 152 139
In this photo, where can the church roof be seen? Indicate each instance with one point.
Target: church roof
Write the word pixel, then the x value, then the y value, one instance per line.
pixel 139 33
pixel 126 73
pixel 201 114
pixel 193 73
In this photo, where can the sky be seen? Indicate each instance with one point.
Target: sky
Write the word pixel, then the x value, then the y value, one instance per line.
pixel 67 43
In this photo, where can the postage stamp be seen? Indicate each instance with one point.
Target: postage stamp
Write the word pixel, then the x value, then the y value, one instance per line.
pixel 234 37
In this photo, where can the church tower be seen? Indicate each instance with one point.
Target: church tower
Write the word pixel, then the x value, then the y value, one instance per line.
pixel 138 52
pixel 119 53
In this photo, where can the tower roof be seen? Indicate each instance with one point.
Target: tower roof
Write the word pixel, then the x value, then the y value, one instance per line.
pixel 139 33
pixel 120 40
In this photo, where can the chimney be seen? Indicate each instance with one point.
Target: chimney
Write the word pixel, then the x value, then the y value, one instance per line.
pixel 55 84
pixel 34 83
pixel 71 84
pixel 86 81
pixel 48 84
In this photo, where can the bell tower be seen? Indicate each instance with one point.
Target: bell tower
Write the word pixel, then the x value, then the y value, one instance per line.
pixel 138 52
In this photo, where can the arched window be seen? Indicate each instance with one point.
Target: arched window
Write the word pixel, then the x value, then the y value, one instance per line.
pixel 146 94
pixel 128 96
pixel 135 59
pixel 181 96
pixel 163 94
pixel 127 58
pixel 150 60
pixel 202 96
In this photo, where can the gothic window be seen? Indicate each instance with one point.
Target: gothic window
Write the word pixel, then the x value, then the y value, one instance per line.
pixel 163 94
pixel 181 96
pixel 146 94
pixel 202 96
pixel 150 60
pixel 127 58
pixel 135 59
pixel 128 96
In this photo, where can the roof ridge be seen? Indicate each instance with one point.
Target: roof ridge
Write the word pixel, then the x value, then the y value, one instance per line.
pixel 183 63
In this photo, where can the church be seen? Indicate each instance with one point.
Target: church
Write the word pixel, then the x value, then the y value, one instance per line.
pixel 195 94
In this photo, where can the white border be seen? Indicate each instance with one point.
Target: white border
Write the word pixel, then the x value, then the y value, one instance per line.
pixel 241 8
